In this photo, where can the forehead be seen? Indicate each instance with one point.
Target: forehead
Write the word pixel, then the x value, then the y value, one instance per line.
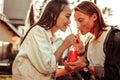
pixel 79 14
pixel 67 9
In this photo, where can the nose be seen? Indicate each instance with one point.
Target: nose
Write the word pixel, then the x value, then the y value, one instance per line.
pixel 78 24
pixel 69 21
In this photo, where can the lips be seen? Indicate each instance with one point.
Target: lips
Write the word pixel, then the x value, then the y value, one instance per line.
pixel 65 26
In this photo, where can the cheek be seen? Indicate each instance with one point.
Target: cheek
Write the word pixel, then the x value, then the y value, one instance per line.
pixel 60 21
pixel 61 25
pixel 85 27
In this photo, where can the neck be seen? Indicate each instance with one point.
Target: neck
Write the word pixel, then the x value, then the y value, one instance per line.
pixel 53 30
pixel 96 32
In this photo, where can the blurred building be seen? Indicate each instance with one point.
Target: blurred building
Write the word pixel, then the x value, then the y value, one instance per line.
pixel 9 44
pixel 16 11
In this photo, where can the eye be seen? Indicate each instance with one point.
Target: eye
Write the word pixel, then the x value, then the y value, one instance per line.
pixel 68 16
pixel 80 20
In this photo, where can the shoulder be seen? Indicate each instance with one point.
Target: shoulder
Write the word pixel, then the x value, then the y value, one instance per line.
pixel 38 31
pixel 37 28
pixel 113 37
pixel 116 34
pixel 115 30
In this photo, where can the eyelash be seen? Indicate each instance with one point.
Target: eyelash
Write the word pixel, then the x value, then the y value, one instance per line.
pixel 68 17
pixel 80 20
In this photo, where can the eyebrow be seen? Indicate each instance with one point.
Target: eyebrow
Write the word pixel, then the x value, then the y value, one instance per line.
pixel 68 13
pixel 80 18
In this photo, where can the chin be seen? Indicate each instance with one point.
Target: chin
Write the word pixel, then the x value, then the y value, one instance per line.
pixel 63 30
pixel 83 33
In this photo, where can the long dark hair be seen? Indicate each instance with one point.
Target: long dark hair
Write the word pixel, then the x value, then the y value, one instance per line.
pixel 50 14
pixel 89 9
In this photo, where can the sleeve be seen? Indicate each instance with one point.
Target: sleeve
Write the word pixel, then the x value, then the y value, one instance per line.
pixel 40 51
pixel 112 64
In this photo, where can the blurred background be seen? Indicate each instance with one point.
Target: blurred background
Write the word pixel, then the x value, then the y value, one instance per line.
pixel 16 17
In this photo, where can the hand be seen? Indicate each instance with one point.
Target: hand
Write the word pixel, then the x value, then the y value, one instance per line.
pixel 78 65
pixel 69 40
pixel 79 44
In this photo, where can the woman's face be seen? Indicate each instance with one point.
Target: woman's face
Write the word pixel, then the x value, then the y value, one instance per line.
pixel 84 22
pixel 64 18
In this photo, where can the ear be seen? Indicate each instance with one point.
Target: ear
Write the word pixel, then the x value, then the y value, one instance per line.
pixel 94 16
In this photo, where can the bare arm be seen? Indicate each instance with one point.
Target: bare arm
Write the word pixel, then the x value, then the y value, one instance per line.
pixel 69 40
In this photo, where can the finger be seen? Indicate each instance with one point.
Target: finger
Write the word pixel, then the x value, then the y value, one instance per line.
pixel 72 63
pixel 68 68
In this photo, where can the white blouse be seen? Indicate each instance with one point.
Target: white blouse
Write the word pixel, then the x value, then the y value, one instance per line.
pixel 35 60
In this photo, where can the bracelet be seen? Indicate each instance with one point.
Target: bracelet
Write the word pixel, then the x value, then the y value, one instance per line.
pixel 86 67
pixel 87 63
pixel 59 53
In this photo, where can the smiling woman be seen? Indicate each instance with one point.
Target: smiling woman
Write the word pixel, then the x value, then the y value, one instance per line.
pixel 42 60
